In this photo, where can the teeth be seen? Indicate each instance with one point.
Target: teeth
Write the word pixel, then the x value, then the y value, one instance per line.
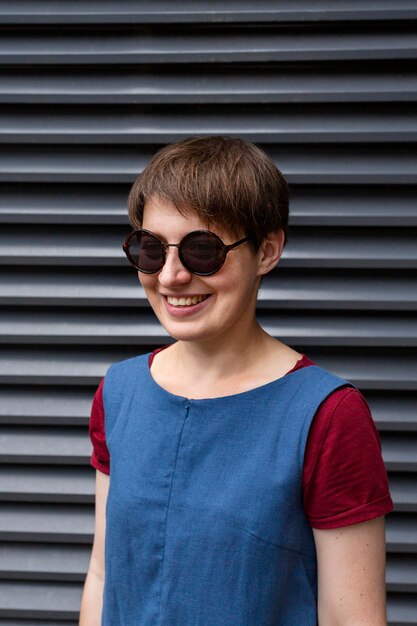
pixel 185 301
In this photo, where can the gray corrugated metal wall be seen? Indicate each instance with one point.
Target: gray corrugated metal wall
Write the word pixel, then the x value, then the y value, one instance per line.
pixel 88 91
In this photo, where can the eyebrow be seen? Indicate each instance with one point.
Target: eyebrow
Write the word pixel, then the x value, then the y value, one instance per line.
pixel 164 239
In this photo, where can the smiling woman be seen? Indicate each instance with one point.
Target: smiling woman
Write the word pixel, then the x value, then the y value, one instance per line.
pixel 231 488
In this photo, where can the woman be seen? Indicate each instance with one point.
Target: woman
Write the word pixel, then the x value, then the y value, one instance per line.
pixel 246 486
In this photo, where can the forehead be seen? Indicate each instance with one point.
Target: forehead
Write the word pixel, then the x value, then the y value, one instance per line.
pixel 162 217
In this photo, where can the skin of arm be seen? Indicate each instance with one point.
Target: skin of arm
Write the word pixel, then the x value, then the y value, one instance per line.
pixel 92 598
pixel 351 574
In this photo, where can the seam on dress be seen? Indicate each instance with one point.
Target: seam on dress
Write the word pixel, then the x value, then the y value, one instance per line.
pixel 276 545
pixel 187 406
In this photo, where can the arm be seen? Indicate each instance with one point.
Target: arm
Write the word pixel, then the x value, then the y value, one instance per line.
pixel 351 574
pixel 92 598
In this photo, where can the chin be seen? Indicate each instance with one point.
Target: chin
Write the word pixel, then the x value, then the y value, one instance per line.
pixel 183 335
pixel 186 331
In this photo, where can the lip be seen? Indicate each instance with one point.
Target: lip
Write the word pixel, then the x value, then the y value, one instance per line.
pixel 186 311
pixel 183 295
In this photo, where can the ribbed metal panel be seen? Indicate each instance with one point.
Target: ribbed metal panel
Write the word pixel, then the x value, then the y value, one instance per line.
pixel 88 91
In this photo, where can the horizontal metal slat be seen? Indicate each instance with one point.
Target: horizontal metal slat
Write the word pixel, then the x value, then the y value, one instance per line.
pixel 40 599
pixel 352 205
pixel 79 126
pixel 403 487
pixel 128 12
pixel 111 46
pixel 371 370
pixel 52 523
pixel 58 562
pixel 352 248
pixel 98 328
pixel 401 573
pixel 56 246
pixel 244 84
pixel 27 444
pixel 45 405
pixel 331 330
pixel 78 287
pixel 34 622
pixel 42 483
pixel 287 289
pixel 355 163
pixel 40 367
pixel 394 412
pixel 401 609
pixel 48 203
pixel 17 135
pixel 401 533
pixel 399 451
pixel 54 367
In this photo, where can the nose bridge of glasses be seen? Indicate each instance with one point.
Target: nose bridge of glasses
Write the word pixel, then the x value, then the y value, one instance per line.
pixel 172 263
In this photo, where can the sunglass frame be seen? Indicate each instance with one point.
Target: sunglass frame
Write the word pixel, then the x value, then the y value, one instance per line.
pixel 226 249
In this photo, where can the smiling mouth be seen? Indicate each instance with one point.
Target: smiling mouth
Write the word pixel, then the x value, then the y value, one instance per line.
pixel 186 301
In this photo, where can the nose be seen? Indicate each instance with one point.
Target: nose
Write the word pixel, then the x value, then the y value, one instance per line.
pixel 173 272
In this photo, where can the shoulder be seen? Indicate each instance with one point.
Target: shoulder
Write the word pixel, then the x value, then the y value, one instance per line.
pixel 121 372
pixel 121 382
pixel 126 365
pixel 317 382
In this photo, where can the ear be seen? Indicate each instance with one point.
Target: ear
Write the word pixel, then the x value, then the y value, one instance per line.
pixel 270 251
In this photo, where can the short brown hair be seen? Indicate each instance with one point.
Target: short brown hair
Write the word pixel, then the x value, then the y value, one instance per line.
pixel 227 181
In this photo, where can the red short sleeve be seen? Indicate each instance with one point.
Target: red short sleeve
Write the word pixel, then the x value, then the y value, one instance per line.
pixel 100 458
pixel 344 477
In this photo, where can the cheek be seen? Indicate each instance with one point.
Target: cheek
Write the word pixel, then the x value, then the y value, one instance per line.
pixel 237 289
pixel 146 280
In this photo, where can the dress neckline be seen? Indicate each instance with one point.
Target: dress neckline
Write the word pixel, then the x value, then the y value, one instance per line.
pixel 302 362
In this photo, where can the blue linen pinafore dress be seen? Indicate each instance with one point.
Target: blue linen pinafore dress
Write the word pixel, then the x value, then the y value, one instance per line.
pixel 204 520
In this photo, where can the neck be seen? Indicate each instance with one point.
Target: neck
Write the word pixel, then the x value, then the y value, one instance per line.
pixel 213 362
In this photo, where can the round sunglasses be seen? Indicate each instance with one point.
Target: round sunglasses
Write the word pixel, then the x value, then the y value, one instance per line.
pixel 201 252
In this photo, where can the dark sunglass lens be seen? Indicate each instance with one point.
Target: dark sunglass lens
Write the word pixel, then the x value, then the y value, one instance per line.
pixel 202 253
pixel 146 252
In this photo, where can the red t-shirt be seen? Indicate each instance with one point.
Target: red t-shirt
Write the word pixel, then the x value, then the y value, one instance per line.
pixel 344 477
